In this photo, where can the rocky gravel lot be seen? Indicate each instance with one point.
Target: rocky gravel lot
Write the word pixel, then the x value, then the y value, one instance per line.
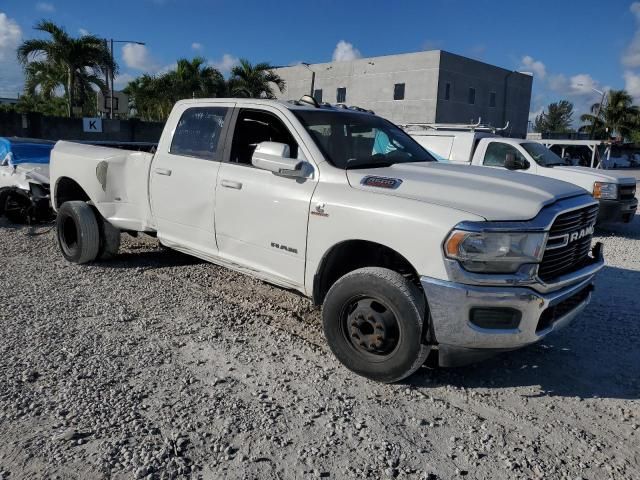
pixel 157 365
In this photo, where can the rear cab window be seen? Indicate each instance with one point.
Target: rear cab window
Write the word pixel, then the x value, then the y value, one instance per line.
pixel 198 132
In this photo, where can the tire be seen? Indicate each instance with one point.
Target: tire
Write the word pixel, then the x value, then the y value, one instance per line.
pixel 109 238
pixel 361 307
pixel 78 232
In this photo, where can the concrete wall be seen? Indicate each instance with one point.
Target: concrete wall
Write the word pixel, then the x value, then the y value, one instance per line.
pixel 463 73
pixel 370 82
pixel 35 125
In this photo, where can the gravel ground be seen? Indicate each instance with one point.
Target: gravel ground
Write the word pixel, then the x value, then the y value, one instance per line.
pixel 157 365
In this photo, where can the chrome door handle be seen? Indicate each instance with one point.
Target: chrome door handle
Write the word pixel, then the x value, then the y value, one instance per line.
pixel 163 171
pixel 231 184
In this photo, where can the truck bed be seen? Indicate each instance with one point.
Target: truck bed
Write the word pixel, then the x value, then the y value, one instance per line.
pixel 115 179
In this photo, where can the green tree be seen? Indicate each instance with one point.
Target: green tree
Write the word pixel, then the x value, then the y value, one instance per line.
pixel 194 79
pixel 152 97
pixel 557 118
pixel 617 116
pixel 74 63
pixel 254 81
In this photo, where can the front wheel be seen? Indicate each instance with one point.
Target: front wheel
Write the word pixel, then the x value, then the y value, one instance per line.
pixel 373 320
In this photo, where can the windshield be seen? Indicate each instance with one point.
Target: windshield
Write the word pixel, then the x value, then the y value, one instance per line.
pixel 542 155
pixel 356 140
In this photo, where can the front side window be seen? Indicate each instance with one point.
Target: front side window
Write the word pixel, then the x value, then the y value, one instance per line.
pixel 496 154
pixel 542 155
pixel 253 127
pixel 198 132
pixel 352 140
pixel 341 95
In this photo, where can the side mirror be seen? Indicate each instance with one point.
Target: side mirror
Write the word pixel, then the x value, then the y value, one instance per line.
pixel 511 162
pixel 274 157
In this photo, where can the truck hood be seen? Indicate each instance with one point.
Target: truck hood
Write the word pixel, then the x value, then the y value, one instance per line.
pixel 493 194
pixel 585 176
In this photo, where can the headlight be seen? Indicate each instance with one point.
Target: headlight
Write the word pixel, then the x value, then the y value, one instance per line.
pixel 495 252
pixel 607 191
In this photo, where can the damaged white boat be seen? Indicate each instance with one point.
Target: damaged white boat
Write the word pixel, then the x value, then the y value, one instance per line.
pixel 24 179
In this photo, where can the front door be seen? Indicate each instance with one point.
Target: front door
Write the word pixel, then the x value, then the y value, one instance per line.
pixel 184 173
pixel 261 217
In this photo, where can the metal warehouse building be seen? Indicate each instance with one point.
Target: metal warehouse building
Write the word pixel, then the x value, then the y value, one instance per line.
pixel 423 87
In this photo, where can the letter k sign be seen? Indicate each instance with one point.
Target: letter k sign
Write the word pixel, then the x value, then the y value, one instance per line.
pixel 92 125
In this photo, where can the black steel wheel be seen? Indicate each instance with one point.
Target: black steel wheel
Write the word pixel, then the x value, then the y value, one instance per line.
pixel 373 320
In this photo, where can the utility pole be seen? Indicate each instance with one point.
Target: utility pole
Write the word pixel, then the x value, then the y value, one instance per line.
pixel 313 77
pixel 110 73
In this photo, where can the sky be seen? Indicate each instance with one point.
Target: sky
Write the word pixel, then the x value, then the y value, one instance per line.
pixel 570 47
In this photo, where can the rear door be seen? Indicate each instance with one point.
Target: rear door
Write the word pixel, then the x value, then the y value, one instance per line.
pixel 184 173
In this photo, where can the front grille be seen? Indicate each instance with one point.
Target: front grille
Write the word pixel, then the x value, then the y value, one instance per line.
pixel 565 254
pixel 627 192
pixel 559 310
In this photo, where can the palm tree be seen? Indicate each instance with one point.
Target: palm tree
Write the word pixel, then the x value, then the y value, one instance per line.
pixel 617 115
pixel 254 81
pixel 194 79
pixel 152 97
pixel 74 62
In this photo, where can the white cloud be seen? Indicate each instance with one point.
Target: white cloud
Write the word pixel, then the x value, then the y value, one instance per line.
pixel 138 57
pixel 197 46
pixel 582 84
pixel 631 56
pixel 632 84
pixel 11 78
pixel 10 37
pixel 45 7
pixel 83 31
pixel 345 52
pixel 122 80
pixel 536 66
pixel 226 63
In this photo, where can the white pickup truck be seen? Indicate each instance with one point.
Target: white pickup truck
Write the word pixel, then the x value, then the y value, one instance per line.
pixel 614 191
pixel 407 256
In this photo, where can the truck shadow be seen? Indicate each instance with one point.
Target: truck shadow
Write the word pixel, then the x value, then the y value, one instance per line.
pixel 598 355
pixel 149 257
pixel 625 230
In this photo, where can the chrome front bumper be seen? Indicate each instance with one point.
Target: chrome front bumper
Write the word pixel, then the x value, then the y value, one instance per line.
pixel 450 304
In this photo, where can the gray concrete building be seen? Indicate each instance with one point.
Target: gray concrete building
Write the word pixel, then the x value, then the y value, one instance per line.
pixel 423 87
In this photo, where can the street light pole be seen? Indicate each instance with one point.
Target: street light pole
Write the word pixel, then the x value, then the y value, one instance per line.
pixel 112 87
pixel 593 126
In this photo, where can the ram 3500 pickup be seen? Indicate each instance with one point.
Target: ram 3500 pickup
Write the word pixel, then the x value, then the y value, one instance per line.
pixel 616 192
pixel 407 256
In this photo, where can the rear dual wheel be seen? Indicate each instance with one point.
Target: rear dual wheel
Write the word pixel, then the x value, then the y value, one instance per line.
pixel 83 235
pixel 373 320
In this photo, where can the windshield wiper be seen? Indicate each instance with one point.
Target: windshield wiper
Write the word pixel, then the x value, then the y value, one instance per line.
pixel 354 163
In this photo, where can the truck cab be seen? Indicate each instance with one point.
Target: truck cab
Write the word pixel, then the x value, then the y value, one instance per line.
pixel 614 191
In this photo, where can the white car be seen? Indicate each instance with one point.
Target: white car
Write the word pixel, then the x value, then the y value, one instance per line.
pixel 614 191
pixel 408 257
